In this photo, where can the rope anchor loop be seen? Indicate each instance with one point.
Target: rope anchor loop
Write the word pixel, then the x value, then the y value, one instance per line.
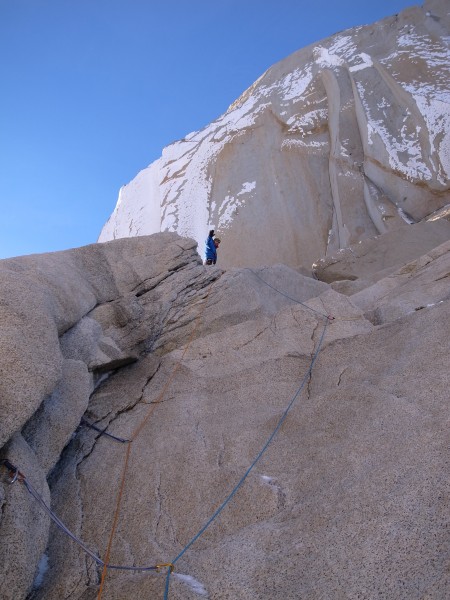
pixel 171 567
pixel 8 472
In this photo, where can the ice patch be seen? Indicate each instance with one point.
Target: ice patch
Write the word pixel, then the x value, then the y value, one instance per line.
pixel 42 569
pixel 295 83
pixel 325 58
pixel 247 187
pixel 437 117
pixel 194 584
pixel 304 123
pixel 307 145
pixel 404 216
pixel 436 56
pixel 403 147
pixel 443 212
pixel 344 46
pixel 366 61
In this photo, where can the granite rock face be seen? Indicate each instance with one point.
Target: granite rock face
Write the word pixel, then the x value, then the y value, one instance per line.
pixel 343 140
pixel 192 369
pixel 279 429
pixel 376 257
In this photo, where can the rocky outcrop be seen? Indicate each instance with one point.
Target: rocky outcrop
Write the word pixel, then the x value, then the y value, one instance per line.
pixel 54 354
pixel 192 369
pixel 46 296
pixel 343 140
pixel 375 257
pixel 275 432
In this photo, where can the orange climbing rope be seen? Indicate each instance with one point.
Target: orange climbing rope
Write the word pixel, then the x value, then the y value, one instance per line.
pixel 134 435
pixel 12 473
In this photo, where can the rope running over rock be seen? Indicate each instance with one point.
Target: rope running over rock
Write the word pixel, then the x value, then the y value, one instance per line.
pixel 16 475
pixel 13 474
pixel 255 461
pixel 290 297
pixel 136 433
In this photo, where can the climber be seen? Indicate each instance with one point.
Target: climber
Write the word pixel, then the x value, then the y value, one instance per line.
pixel 216 245
pixel 211 249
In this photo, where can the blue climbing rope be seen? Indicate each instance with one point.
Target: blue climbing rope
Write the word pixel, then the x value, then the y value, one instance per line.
pixel 13 473
pixel 10 474
pixel 287 295
pixel 255 461
pixel 104 432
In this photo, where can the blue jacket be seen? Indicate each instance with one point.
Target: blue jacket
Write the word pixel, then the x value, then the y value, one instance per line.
pixel 210 249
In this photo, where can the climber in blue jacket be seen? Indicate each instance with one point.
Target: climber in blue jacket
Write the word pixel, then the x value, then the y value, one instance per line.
pixel 210 249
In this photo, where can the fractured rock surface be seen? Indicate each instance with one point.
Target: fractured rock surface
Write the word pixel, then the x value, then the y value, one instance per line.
pixel 197 366
pixel 299 412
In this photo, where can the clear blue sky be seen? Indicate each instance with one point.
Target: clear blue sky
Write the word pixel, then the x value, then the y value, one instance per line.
pixel 92 90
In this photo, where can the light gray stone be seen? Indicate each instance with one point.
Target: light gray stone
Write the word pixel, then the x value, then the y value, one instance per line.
pixel 375 258
pixel 24 526
pixel 46 295
pixel 418 285
pixel 53 424
pixel 354 477
pixel 31 358
pixel 86 342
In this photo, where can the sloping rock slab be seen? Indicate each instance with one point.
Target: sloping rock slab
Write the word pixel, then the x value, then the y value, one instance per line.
pixel 350 497
pixel 421 284
pixel 374 258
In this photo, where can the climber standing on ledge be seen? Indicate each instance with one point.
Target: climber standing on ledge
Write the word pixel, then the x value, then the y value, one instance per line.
pixel 211 246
